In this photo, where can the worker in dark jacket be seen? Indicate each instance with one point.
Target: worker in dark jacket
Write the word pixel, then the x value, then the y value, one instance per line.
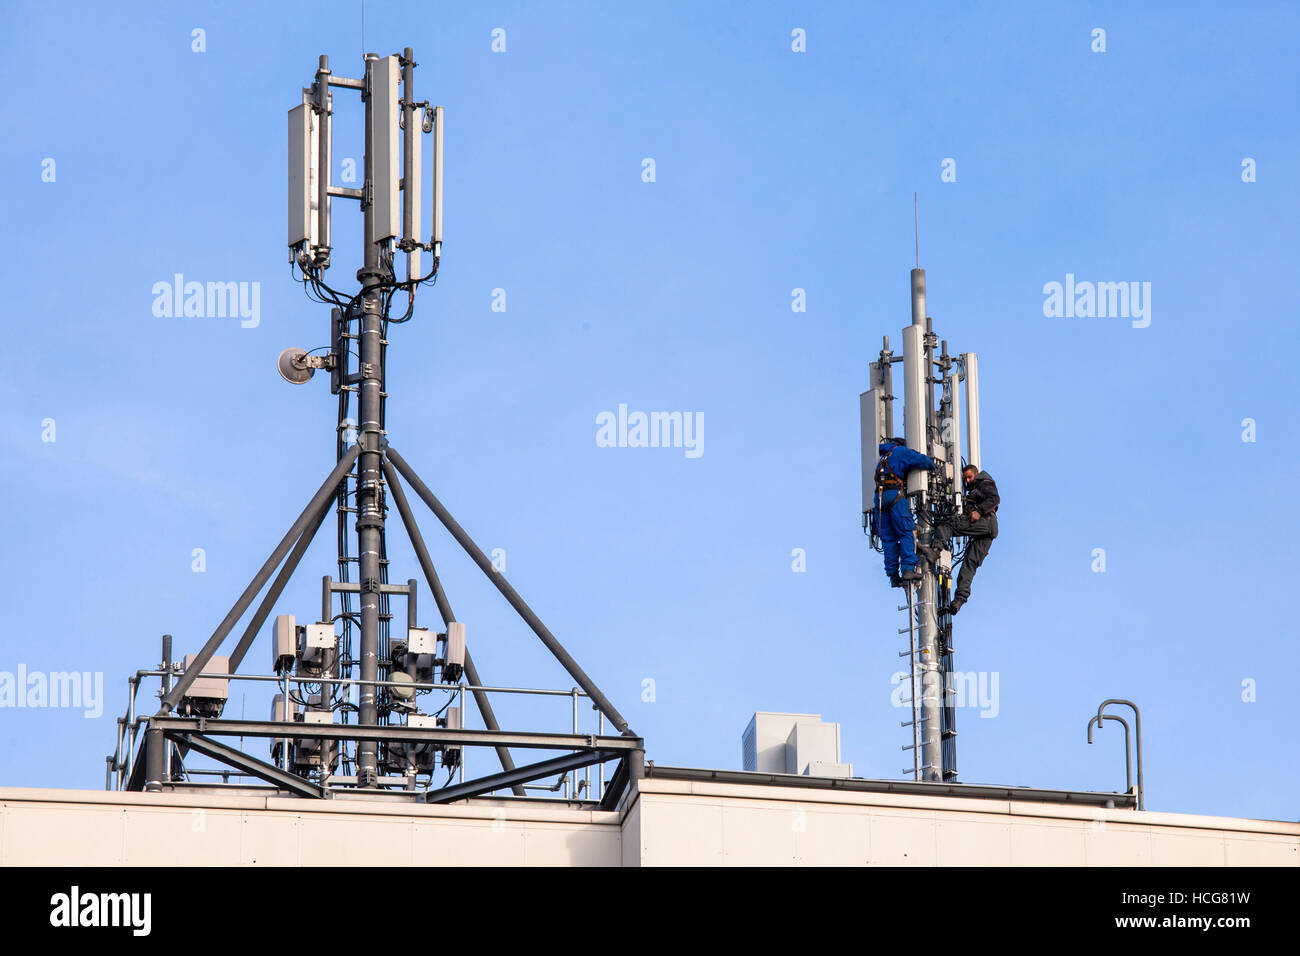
pixel 980 526
pixel 894 521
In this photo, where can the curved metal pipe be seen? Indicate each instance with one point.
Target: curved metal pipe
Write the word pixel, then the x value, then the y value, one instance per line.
pixel 1137 717
pixel 1128 753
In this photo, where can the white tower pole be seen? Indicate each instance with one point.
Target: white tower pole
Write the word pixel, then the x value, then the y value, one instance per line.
pixel 919 418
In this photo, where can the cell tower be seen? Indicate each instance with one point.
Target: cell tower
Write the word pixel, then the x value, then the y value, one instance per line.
pixel 348 714
pixel 932 387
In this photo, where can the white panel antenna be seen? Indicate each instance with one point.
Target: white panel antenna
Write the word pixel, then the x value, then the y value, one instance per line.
pixel 972 409
pixel 953 438
pixel 436 240
pixel 412 218
pixel 303 186
pixel 914 401
pixel 412 170
pixel 385 218
pixel 324 138
pixel 872 418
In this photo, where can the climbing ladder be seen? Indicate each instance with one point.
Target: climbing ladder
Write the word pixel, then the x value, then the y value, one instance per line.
pixel 915 696
pixel 948 711
pixel 913 654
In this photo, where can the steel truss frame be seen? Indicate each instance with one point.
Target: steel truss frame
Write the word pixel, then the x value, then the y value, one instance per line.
pixel 199 734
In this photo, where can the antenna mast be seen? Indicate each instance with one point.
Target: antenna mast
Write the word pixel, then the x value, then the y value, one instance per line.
pixel 932 426
pixel 351 691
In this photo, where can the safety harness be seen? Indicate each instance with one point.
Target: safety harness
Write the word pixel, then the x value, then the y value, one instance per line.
pixel 885 477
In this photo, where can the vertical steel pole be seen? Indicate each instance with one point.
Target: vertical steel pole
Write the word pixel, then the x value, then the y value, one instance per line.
pixel 370 516
pixel 116 760
pixel 464 751
pixel 167 686
pixel 130 725
pixel 574 691
pixel 289 708
pixel 155 768
pixel 917 365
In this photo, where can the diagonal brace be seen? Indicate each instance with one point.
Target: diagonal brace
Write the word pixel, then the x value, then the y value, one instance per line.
pixel 277 588
pixel 251 765
pixel 510 594
pixel 444 609
pixel 519 775
pixel 294 533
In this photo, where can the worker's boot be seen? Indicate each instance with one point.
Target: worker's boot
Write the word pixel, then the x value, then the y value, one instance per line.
pixel 895 581
pixel 910 574
pixel 955 605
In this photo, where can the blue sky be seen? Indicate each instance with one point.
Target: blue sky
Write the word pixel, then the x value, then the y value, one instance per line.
pixel 775 170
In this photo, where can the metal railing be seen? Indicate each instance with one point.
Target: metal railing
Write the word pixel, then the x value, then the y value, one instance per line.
pixel 120 765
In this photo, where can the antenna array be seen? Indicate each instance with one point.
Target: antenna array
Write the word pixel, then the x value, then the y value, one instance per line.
pixel 353 709
pixel 932 426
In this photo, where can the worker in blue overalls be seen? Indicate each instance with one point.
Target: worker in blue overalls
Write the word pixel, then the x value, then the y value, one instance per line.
pixel 894 522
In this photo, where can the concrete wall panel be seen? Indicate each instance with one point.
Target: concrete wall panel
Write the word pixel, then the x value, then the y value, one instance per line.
pixel 663 823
